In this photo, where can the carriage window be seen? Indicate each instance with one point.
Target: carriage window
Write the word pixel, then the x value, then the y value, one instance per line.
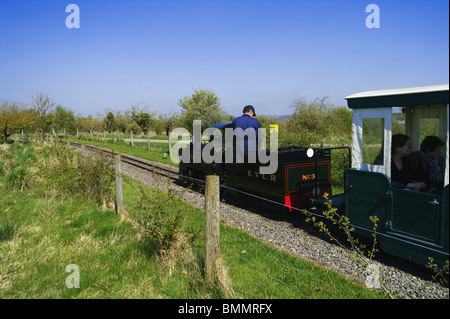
pixel 428 126
pixel 398 120
pixel 373 140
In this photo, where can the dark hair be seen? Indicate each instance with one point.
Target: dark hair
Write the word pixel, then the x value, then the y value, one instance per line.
pixel 398 140
pixel 249 108
pixel 430 143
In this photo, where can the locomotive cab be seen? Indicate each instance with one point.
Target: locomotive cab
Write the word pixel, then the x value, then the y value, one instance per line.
pixel 413 225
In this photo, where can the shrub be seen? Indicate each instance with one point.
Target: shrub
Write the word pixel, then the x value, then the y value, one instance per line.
pixel 158 130
pixel 15 163
pixel 16 179
pixel 66 172
pixel 59 171
pixel 298 137
pixel 339 163
pixel 161 218
pixel 96 178
pixel 313 122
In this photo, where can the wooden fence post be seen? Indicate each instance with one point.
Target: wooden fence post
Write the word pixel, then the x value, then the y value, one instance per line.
pixel 83 154
pixel 170 146
pixel 212 226
pixel 118 178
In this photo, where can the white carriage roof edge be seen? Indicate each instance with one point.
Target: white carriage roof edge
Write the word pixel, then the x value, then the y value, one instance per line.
pixel 410 90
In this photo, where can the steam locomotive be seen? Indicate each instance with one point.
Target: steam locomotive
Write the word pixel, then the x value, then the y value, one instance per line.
pixel 301 173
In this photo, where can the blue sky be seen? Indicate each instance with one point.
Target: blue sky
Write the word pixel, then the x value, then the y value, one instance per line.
pixel 266 53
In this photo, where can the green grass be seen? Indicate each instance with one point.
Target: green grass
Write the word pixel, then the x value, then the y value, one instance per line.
pixel 41 235
pixel 113 136
pixel 258 270
pixel 156 152
pixel 51 235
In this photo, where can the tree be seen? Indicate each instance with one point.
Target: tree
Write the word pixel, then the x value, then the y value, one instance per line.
pixel 142 117
pixel 110 122
pixel 167 121
pixel 144 120
pixel 13 118
pixel 117 120
pixel 134 128
pixel 312 116
pixel 89 123
pixel 41 104
pixel 308 125
pixel 203 105
pixel 61 119
pixel 122 121
pixel 341 119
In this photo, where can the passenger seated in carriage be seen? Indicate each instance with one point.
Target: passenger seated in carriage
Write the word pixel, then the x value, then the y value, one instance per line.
pixel 401 174
pixel 428 165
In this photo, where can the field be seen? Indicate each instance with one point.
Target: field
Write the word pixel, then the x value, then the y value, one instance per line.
pixel 44 230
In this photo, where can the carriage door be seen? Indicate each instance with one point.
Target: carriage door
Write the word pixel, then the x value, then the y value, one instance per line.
pixel 416 215
pixel 367 183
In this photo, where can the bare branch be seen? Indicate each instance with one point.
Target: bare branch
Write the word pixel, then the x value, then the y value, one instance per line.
pixel 41 104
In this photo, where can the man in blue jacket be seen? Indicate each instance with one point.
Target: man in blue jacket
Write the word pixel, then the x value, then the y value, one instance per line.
pixel 246 131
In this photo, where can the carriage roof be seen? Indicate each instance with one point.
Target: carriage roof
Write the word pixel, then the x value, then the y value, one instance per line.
pixel 422 95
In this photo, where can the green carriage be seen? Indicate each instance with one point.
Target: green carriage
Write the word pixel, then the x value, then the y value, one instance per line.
pixel 413 225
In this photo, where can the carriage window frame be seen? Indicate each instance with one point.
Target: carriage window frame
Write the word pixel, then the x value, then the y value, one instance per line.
pixel 373 140
pixel 358 161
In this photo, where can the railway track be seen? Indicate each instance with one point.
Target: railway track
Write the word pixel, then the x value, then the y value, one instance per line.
pixel 158 168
